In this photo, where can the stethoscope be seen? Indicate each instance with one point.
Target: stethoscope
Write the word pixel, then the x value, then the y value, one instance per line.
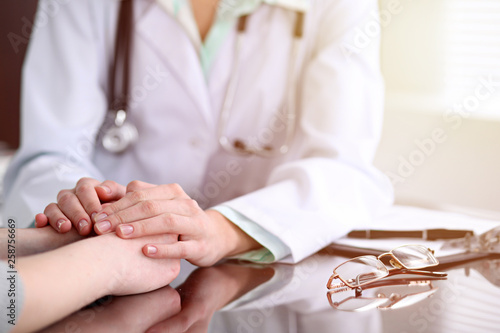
pixel 238 146
pixel 122 134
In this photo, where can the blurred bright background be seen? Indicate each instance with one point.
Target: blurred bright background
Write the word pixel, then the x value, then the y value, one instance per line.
pixel 441 138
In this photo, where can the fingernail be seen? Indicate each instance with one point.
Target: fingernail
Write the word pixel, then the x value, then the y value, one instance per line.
pixel 82 224
pixel 60 223
pixel 151 249
pixel 126 229
pixel 103 226
pixel 105 188
pixel 101 217
pixel 93 215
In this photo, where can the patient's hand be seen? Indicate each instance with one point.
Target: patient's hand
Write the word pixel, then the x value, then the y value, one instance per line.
pixel 76 206
pixel 66 279
pixel 128 270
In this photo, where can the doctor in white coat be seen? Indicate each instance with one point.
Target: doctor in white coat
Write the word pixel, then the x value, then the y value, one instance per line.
pixel 281 207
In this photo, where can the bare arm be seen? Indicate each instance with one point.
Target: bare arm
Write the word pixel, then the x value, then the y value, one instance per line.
pixel 33 241
pixel 63 280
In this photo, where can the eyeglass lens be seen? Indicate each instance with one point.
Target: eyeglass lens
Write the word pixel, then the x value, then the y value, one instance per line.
pixel 410 299
pixel 360 303
pixel 361 270
pixel 414 256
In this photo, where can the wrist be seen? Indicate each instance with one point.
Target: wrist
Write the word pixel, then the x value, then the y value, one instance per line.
pixel 235 240
pixel 61 281
pixel 45 239
pixel 107 268
pixel 101 269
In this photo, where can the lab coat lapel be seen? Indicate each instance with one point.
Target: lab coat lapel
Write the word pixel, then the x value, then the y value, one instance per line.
pixel 169 39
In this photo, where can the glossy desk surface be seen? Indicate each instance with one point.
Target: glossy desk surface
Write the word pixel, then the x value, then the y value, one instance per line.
pixel 243 298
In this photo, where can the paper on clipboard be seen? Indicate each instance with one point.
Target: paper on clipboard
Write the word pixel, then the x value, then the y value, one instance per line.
pixel 413 218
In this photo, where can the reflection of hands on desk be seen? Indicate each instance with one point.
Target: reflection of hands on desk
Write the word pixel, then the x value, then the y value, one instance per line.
pixel 123 314
pixel 207 290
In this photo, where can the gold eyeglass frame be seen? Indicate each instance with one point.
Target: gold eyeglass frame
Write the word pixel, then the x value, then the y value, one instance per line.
pixel 399 268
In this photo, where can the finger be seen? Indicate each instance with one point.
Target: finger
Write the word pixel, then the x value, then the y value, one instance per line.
pixel 41 220
pixel 162 224
pixel 72 208
pixel 109 190
pixel 57 219
pixel 137 185
pixel 161 192
pixel 152 208
pixel 178 323
pixel 178 250
pixel 86 193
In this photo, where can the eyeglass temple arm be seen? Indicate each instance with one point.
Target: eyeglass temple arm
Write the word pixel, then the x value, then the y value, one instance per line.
pixel 330 284
pixel 397 271
pixel 392 272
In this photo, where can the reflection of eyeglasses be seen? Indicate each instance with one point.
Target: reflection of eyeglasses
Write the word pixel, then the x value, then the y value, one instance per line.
pixel 364 270
pixel 359 303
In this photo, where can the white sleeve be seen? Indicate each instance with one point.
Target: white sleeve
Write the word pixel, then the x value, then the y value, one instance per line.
pixel 63 92
pixel 333 187
pixel 273 248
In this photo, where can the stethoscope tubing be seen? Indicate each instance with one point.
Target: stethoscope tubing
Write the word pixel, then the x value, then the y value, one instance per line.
pixel 289 105
pixel 123 134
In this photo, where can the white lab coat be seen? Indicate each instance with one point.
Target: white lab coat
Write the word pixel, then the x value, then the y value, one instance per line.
pixel 323 187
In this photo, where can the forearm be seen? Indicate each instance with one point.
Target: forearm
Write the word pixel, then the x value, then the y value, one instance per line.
pixel 64 280
pixel 61 282
pixel 33 241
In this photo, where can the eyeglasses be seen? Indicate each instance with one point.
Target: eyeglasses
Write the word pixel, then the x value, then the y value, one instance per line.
pixel 407 259
pixel 487 242
pixel 359 303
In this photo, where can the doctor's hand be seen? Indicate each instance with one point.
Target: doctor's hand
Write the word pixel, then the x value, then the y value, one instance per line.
pixel 76 206
pixel 205 237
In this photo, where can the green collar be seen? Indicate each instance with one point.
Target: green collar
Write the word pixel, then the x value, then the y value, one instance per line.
pixel 227 13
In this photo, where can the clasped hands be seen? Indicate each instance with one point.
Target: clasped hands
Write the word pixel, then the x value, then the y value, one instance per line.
pixel 141 209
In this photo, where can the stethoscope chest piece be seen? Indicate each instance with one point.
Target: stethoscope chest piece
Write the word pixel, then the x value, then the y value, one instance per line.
pixel 121 135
